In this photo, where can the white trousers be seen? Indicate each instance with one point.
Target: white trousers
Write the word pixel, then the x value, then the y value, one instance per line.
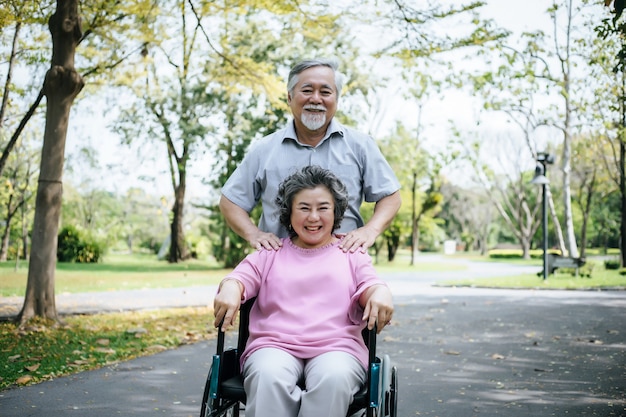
pixel 271 383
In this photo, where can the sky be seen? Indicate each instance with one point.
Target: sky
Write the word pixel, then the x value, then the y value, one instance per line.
pixel 118 164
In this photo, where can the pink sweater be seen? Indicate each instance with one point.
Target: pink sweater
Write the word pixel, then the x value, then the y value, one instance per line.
pixel 307 299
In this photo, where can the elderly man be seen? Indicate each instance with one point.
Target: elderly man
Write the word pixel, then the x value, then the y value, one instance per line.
pixel 313 137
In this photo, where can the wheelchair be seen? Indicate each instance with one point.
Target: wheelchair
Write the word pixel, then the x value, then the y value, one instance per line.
pixel 224 394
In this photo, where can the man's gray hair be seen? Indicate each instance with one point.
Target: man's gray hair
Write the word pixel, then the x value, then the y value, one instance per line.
pixel 310 63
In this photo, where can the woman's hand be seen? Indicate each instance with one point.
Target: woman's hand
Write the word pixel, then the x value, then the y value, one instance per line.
pixel 377 305
pixel 227 302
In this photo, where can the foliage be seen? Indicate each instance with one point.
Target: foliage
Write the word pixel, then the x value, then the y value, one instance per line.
pixel 612 264
pixel 518 253
pixel 39 351
pixel 74 246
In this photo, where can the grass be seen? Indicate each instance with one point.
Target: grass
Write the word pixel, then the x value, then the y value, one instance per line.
pixel 116 273
pixel 600 279
pixel 141 271
pixel 41 351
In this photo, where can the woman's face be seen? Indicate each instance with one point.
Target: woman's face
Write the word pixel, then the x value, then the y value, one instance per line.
pixel 312 217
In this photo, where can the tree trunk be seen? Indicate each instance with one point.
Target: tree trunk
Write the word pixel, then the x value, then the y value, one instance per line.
pixel 178 249
pixel 4 243
pixel 414 247
pixel 61 86
pixel 24 234
pixel 392 247
pixel 622 186
pixel 555 221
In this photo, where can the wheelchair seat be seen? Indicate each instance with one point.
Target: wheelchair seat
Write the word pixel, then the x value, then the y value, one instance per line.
pixel 224 392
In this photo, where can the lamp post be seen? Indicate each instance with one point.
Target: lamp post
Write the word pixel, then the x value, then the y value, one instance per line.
pixel 543 159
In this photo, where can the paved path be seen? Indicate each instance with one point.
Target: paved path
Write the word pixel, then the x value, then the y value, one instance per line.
pixel 460 352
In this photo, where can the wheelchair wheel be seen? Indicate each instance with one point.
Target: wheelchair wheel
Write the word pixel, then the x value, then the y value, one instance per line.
pixel 216 408
pixel 393 393
pixel 388 404
pixel 205 409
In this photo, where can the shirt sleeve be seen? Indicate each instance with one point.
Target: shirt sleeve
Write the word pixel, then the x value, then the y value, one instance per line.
pixel 378 178
pixel 250 273
pixel 242 187
pixel 364 276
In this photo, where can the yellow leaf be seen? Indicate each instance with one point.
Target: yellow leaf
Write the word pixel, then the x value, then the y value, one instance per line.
pixel 32 368
pixel 25 379
pixel 103 342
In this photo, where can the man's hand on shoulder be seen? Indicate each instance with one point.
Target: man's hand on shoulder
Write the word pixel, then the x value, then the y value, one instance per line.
pixel 265 240
pixel 360 239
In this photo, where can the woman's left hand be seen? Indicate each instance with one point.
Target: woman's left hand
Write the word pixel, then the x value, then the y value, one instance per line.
pixel 378 308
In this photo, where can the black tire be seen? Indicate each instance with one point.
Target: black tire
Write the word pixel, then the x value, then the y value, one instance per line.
pixel 393 393
pixel 205 409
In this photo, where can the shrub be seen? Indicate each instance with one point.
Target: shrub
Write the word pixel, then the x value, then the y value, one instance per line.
pixel 612 264
pixel 517 253
pixel 73 247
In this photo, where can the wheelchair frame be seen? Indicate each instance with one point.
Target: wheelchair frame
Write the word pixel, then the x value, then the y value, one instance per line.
pixel 224 392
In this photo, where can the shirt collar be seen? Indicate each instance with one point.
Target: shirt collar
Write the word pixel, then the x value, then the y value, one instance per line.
pixel 333 127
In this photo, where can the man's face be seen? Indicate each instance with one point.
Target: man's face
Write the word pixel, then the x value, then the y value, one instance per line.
pixel 313 101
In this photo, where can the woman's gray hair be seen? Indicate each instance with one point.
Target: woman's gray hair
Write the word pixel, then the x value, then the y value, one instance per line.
pixel 308 178
pixel 294 74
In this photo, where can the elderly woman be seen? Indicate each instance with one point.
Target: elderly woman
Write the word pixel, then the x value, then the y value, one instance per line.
pixel 313 300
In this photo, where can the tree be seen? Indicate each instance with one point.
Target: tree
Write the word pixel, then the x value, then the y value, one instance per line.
pixel 19 177
pixel 61 86
pixel 608 29
pixel 469 216
pixel 419 174
pixel 506 181
pixel 591 180
pixel 20 13
pixel 195 60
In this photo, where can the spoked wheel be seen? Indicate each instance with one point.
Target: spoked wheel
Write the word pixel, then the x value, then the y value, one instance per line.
pixel 386 379
pixel 216 408
pixel 205 409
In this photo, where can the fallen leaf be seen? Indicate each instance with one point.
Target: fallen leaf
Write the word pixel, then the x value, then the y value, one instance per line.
pixel 137 330
pixel 156 348
pixel 452 352
pixel 25 379
pixel 103 342
pixel 32 368
pixel 497 356
pixel 104 350
pixel 14 358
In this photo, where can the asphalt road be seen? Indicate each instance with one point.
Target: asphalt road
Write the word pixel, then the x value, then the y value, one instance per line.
pixel 459 352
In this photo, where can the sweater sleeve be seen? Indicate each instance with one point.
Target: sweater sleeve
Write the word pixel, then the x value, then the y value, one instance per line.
pixel 364 276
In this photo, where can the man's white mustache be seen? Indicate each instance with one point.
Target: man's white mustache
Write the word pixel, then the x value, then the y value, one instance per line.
pixel 314 107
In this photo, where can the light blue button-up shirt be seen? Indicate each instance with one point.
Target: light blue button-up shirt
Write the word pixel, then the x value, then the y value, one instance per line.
pixel 351 155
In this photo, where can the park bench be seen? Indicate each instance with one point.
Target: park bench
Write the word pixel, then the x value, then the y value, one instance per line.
pixel 558 261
